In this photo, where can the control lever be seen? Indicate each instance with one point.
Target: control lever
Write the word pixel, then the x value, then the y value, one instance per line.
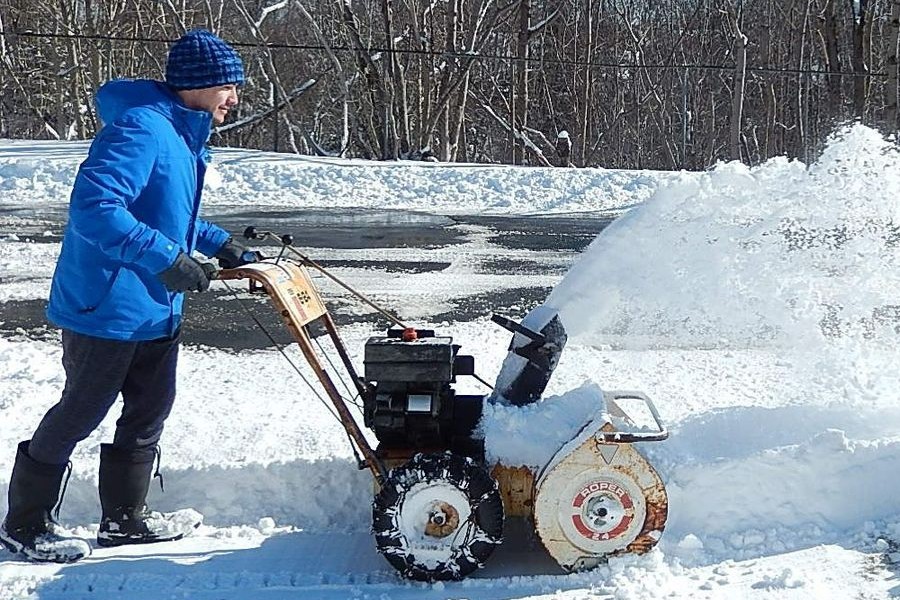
pixel 509 324
pixel 519 383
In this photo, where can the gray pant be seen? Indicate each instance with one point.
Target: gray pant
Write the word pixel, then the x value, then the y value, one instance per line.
pixel 97 370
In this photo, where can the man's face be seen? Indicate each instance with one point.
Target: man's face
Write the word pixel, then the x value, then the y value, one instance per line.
pixel 217 100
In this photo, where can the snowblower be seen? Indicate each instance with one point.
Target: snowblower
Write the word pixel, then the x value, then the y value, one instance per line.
pixel 439 509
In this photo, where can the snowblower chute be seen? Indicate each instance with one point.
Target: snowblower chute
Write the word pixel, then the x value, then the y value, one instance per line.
pixel 439 509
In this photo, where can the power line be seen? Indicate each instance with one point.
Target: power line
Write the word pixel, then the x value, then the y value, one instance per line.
pixel 457 55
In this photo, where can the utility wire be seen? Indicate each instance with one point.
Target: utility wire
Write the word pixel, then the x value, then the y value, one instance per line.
pixel 457 55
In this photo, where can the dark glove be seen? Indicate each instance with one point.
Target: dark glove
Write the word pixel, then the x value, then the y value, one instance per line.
pixel 185 275
pixel 233 254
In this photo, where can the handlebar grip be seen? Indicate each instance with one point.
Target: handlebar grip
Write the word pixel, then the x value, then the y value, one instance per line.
pixel 210 270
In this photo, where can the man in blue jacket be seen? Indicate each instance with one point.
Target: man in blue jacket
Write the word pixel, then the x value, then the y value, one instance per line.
pixel 117 294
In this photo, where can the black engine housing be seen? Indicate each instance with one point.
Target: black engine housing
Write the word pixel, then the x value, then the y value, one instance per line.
pixel 411 403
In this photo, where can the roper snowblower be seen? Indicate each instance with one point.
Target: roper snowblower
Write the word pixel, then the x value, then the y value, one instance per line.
pixel 439 508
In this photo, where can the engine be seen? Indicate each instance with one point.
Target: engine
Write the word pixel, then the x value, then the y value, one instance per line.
pixel 411 402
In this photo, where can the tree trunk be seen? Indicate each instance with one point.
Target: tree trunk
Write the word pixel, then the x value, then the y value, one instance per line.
pixel 737 99
pixel 859 56
pixel 520 109
pixel 341 77
pixel 828 30
pixel 802 100
pixel 585 132
pixel 892 62
pixel 379 124
pixel 390 143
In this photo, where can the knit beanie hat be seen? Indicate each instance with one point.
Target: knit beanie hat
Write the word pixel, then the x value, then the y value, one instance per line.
pixel 201 60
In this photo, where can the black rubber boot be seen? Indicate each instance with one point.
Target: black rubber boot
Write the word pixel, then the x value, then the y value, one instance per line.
pixel 124 483
pixel 29 527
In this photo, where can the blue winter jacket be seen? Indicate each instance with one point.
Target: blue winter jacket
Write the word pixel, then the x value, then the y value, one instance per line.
pixel 133 208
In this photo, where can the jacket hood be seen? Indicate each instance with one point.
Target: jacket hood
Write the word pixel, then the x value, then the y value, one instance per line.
pixel 117 97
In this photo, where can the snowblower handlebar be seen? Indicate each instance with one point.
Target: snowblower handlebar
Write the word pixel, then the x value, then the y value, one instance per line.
pixel 287 243
pixel 252 233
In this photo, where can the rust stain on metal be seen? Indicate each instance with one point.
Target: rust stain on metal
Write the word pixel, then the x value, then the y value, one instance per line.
pixel 516 489
pixel 652 530
pixel 657 513
pixel 443 519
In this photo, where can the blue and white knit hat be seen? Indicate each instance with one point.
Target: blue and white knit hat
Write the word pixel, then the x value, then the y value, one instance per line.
pixel 201 60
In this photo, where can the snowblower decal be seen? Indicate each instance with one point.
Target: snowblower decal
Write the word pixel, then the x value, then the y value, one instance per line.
pixel 602 510
pixel 289 286
pixel 301 297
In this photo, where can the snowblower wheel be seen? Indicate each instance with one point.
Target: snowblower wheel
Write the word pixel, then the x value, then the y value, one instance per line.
pixel 438 517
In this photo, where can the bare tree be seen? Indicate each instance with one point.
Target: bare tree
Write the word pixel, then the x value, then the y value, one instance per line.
pixel 636 84
pixel 737 106
pixel 891 121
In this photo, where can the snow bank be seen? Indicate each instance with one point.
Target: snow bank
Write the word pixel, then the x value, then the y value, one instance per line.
pixel 32 172
pixel 784 498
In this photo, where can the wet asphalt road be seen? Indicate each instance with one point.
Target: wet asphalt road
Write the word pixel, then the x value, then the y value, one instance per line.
pixel 218 319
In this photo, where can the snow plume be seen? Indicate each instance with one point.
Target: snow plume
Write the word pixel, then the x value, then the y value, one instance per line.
pixel 780 254
pixel 801 260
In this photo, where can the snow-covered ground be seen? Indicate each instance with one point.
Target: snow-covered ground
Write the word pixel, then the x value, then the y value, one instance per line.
pixel 760 308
